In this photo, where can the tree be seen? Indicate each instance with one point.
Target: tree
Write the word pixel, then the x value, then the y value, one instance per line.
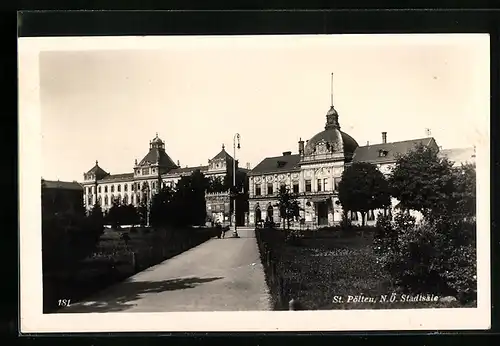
pixel 68 235
pixel 439 253
pixel 216 184
pixel 129 215
pixel 188 205
pixel 241 181
pixel 142 212
pixel 190 198
pixel 96 218
pixel 114 217
pixel 288 205
pixel 162 212
pixel 464 193
pixel 422 181
pixel 363 188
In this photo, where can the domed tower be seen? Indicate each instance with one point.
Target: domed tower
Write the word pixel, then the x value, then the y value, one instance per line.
pixel 331 143
pixel 155 163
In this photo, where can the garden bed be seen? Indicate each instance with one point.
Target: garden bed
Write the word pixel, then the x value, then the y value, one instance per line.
pixel 318 269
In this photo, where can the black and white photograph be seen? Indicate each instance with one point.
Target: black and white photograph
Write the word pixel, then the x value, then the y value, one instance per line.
pixel 254 183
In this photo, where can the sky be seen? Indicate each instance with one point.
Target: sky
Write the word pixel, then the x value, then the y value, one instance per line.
pixel 106 99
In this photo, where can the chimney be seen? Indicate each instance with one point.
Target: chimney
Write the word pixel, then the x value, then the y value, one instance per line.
pixel 384 137
pixel 178 163
pixel 248 165
pixel 301 146
pixel 367 143
pixel 286 153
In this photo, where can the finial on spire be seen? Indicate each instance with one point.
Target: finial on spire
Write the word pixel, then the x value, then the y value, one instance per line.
pixel 156 134
pixel 331 90
pixel 223 146
pixel 96 162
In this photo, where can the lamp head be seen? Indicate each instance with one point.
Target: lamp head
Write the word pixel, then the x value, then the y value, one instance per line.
pixel 238 145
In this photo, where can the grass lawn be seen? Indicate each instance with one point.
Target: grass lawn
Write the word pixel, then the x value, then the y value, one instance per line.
pixel 322 268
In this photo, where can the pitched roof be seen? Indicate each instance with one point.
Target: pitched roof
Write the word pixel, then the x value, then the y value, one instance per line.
pixel 97 171
pixel 185 170
pixel 371 153
pixel 157 155
pixel 459 155
pixel 66 185
pixel 118 177
pixel 277 164
pixel 223 155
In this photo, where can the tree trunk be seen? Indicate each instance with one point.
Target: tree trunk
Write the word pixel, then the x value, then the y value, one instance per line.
pixel 363 214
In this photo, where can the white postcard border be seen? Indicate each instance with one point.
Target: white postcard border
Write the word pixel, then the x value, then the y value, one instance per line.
pixel 32 319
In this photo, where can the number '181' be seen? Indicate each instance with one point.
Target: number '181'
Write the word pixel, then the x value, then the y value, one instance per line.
pixel 64 302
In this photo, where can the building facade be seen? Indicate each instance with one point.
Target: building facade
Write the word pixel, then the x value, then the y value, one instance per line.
pixel 315 171
pixel 61 196
pixel 155 170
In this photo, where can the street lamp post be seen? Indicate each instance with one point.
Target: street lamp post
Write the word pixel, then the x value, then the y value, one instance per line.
pixel 146 190
pixel 235 138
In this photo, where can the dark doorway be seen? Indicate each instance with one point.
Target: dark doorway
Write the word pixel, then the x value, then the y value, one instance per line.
pixel 322 208
pixel 258 214
pixel 270 213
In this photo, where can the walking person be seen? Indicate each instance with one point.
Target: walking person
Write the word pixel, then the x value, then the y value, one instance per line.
pixel 223 233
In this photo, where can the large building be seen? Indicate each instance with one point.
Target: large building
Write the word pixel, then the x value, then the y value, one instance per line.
pixel 61 196
pixel 315 171
pixel 155 170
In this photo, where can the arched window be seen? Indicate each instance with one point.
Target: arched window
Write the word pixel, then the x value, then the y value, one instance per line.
pixel 370 216
pixel 125 199
pixel 105 189
pixel 354 216
pixel 119 188
pixel 112 188
pixel 105 200
pixel 99 199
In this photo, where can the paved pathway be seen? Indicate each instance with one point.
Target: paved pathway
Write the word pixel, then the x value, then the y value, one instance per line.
pixel 218 275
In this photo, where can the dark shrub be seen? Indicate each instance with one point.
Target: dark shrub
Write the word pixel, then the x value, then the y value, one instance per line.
pixel 70 236
pixel 434 256
pixel 294 238
pixel 269 224
pixel 125 237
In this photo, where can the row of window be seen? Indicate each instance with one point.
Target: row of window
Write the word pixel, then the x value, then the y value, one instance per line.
pixel 321 185
pixel 370 216
pixel 125 200
pixel 145 171
pixel 133 187
pixel 353 216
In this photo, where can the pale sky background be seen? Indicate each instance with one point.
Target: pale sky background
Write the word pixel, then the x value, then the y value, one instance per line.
pixel 106 104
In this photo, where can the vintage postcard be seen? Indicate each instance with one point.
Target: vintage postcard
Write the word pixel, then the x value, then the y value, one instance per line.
pixel 254 183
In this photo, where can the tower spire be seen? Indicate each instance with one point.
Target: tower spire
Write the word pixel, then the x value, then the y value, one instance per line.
pixel 331 90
